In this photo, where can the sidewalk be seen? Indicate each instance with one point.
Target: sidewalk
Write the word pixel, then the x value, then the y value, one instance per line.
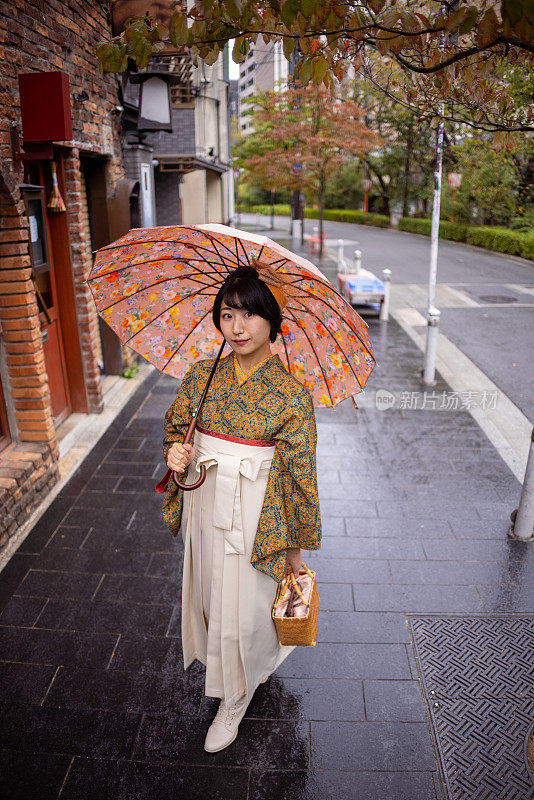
pixel 419 688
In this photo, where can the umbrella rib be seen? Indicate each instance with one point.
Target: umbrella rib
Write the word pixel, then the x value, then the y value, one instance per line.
pixel 150 286
pixel 223 262
pixel 212 239
pixel 279 262
pixel 162 313
pixel 355 332
pixel 222 244
pixel 287 354
pixel 116 246
pixel 207 234
pixel 335 310
pixel 340 349
pixel 312 277
pixel 150 261
pixel 148 241
pixel 243 249
pixel 186 338
pixel 316 356
pixel 196 248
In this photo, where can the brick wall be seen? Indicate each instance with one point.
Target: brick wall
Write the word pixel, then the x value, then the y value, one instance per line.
pixel 79 244
pixel 87 259
pixel 21 330
pixel 38 36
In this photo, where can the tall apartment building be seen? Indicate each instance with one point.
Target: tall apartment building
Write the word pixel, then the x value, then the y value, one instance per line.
pixel 264 69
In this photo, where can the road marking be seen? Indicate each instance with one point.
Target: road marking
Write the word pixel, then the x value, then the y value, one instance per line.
pixel 519 288
pixel 507 428
pixel 462 296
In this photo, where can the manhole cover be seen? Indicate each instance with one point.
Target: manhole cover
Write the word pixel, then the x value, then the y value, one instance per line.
pixel 477 679
pixel 498 298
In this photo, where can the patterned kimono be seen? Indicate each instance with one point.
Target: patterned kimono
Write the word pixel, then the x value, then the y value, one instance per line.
pixel 270 405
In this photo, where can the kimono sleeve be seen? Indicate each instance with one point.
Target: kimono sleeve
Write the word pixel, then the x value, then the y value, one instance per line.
pixel 291 515
pixel 296 445
pixel 177 419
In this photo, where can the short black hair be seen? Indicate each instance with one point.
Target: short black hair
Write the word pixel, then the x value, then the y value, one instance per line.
pixel 244 289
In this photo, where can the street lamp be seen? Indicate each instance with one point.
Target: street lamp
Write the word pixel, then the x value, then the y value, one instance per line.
pixel 366 186
pixel 155 105
pixel 155 99
pixel 455 181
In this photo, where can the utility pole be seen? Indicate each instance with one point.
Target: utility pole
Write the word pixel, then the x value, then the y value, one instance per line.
pixel 432 330
pixel 296 204
pixel 433 314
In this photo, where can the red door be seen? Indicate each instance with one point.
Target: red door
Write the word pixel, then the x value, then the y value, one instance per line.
pixel 46 292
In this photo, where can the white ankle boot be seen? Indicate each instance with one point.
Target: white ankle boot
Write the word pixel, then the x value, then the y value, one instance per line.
pixel 223 729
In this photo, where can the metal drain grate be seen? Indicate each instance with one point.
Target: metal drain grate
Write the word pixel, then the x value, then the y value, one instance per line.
pixel 498 298
pixel 478 680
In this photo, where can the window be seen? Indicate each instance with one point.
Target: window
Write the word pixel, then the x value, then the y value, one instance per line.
pixel 250 82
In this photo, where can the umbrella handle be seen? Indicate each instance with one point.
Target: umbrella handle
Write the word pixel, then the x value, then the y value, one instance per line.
pixel 162 485
pixel 188 487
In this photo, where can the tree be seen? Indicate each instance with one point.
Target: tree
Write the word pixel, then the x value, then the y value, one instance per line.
pixel 402 168
pixel 301 137
pixel 446 60
pixel 488 194
pixel 344 187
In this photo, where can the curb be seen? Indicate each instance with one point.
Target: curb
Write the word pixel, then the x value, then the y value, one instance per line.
pixel 77 444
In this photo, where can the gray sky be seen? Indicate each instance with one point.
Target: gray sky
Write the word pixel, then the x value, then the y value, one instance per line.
pixel 234 68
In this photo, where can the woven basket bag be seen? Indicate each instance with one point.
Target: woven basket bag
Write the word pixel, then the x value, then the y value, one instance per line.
pixel 298 630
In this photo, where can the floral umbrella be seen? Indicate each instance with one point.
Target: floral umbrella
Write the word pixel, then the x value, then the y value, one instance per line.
pixel 155 288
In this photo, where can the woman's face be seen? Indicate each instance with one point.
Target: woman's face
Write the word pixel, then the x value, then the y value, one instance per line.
pixel 245 332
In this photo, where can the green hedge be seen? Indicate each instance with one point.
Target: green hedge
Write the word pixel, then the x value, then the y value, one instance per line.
pixel 281 210
pixel 348 215
pixel 331 214
pixel 447 230
pixel 502 240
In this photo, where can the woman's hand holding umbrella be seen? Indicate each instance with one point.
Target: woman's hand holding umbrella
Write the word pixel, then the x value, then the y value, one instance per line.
pixel 180 456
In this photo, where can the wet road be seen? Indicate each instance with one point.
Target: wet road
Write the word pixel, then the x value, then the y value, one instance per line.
pixel 496 336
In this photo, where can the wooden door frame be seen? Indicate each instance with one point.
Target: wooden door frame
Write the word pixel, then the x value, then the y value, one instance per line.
pixel 38 193
pixel 60 246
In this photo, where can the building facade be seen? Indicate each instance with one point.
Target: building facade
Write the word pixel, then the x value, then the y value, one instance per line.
pixel 52 354
pixel 62 120
pixel 265 69
pixel 190 163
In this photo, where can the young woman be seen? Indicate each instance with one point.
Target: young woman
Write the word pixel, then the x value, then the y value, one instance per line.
pixel 244 528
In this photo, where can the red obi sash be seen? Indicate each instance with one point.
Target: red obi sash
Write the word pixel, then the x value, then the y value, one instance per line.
pixel 237 439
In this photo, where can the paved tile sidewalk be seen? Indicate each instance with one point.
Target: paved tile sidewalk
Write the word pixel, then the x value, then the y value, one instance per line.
pixel 415 507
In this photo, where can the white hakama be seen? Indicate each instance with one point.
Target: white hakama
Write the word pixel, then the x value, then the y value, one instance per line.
pixel 226 602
